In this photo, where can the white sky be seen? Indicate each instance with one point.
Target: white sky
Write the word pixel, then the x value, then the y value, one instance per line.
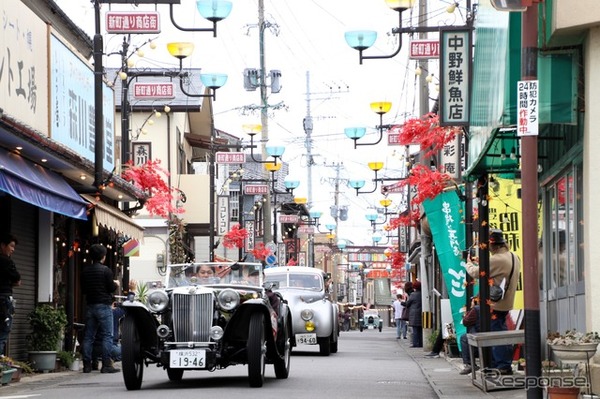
pixel 308 35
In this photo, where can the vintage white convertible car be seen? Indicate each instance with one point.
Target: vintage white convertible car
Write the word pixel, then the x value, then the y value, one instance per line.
pixel 314 316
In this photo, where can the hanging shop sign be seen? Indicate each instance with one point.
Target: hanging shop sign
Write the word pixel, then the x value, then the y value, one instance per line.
pixel 455 70
pixel 132 22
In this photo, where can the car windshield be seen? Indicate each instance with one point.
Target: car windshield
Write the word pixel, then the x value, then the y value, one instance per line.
pixel 211 273
pixel 311 282
pixel 371 313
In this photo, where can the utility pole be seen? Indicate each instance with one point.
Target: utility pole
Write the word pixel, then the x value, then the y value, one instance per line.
pixel 264 120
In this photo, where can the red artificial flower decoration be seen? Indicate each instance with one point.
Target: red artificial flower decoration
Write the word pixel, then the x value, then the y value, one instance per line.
pixel 426 132
pixel 235 237
pixel 260 252
pixel 149 178
pixel 398 259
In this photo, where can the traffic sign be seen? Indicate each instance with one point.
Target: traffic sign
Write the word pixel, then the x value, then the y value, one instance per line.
pixel 271 259
pixel 230 157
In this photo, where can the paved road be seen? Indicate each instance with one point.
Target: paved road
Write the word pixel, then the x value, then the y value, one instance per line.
pixel 368 364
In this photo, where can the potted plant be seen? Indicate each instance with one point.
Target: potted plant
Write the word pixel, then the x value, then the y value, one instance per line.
pixel 6 370
pixel 47 330
pixel 573 346
pixel 66 358
pixel 554 375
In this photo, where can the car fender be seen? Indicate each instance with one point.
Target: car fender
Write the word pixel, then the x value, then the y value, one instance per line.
pixel 145 321
pixel 323 317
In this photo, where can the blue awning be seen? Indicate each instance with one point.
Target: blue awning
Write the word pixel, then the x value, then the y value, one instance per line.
pixel 38 186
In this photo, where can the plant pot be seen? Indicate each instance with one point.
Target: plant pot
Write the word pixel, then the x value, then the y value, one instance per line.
pixel 7 376
pixel 43 361
pixel 16 376
pixel 563 392
pixel 75 365
pixel 574 353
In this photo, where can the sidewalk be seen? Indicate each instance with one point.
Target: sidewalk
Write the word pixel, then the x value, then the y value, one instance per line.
pixel 442 375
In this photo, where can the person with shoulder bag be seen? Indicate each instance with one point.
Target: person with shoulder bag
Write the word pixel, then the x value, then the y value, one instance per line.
pixel 505 268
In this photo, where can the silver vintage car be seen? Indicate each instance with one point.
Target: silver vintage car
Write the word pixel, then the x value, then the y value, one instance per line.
pixel 208 317
pixel 314 316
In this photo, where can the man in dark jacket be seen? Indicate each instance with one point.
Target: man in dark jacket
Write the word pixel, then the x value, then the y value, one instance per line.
pixel 415 310
pixel 98 286
pixel 471 321
pixel 9 277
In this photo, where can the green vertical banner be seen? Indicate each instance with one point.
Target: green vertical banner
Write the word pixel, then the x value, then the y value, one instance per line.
pixel 445 214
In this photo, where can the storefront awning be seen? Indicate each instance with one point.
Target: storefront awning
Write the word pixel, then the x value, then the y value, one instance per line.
pixel 38 186
pixel 113 219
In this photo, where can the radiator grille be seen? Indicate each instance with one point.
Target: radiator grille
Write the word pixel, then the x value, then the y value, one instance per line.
pixel 192 317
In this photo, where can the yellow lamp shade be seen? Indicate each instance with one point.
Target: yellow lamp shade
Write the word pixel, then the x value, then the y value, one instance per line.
pixel 250 128
pixel 385 202
pixel 381 107
pixel 272 165
pixel 300 200
pixel 330 236
pixel 180 50
pixel 399 5
pixel 375 166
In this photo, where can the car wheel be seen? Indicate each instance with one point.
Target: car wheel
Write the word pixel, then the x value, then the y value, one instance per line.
pixel 255 349
pixel 361 328
pixel 282 363
pixel 380 328
pixel 175 374
pixel 131 354
pixel 324 346
pixel 334 344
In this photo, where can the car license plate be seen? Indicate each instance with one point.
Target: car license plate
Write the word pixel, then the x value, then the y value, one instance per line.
pixel 306 339
pixel 188 359
pixel 371 327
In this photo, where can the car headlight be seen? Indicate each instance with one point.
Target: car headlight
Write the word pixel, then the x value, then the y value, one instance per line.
pixel 157 300
pixel 306 314
pixel 228 299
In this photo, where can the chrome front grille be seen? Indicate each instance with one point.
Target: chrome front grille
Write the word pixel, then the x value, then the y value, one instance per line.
pixel 192 317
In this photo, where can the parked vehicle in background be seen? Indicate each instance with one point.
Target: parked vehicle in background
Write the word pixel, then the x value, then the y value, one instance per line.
pixel 370 320
pixel 314 316
pixel 209 316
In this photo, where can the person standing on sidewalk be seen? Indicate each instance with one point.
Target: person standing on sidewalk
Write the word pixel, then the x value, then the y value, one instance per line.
pixel 471 321
pixel 400 317
pixel 9 278
pixel 415 318
pixel 98 286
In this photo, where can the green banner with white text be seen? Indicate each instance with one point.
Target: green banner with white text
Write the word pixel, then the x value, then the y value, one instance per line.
pixel 445 214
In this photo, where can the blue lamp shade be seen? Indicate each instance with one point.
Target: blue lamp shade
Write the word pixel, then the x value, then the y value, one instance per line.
pixel 315 214
pixel 214 10
pixel 376 238
pixel 291 184
pixel 341 244
pixel 330 226
pixel 355 133
pixel 213 80
pixel 356 184
pixel 360 39
pixel 371 217
pixel 275 150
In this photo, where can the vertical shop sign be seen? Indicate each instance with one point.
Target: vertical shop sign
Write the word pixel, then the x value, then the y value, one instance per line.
pixel 223 212
pixel 455 61
pixel 527 108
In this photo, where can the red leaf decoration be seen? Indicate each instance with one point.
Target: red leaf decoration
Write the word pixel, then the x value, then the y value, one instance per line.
pixel 149 178
pixel 235 237
pixel 426 132
pixel 260 252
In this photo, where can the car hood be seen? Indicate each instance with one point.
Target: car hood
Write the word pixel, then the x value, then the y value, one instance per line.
pixel 294 295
